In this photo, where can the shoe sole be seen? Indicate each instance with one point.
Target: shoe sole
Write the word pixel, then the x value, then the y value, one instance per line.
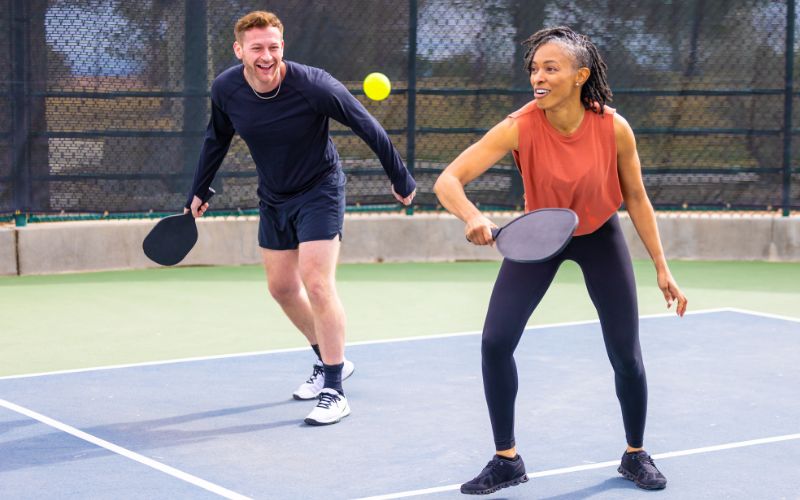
pixel 631 477
pixel 513 482
pixel 311 421
pixel 301 398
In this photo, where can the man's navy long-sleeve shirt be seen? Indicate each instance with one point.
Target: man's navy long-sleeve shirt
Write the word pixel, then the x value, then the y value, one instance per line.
pixel 288 135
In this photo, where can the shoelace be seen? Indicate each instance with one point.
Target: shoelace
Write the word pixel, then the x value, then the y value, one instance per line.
pixel 316 373
pixel 326 399
pixel 494 463
pixel 647 460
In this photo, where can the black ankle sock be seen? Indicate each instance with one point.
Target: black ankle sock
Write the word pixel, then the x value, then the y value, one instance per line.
pixel 316 351
pixel 333 377
pixel 501 457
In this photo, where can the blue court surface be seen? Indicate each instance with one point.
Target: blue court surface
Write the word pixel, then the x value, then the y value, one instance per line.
pixel 723 422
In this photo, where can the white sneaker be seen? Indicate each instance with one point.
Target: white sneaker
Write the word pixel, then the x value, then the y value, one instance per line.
pixel 311 388
pixel 331 408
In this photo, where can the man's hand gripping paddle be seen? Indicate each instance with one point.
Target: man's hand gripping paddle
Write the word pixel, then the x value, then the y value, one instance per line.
pixel 536 236
pixel 171 239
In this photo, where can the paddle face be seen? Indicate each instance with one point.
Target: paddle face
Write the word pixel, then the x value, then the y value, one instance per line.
pixel 536 236
pixel 171 239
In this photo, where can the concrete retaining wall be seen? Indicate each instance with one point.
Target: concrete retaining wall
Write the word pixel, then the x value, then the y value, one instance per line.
pixel 45 248
pixel 421 238
pixel 8 251
pixel 720 237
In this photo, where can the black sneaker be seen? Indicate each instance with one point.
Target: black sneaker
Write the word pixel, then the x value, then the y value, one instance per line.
pixel 639 468
pixel 498 473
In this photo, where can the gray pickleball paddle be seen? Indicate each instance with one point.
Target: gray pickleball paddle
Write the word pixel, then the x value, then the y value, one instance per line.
pixel 536 236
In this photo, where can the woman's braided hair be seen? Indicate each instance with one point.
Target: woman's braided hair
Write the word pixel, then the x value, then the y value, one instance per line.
pixel 595 92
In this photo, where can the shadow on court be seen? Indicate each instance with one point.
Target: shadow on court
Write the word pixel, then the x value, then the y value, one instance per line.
pixel 157 433
pixel 605 487
pixel 419 422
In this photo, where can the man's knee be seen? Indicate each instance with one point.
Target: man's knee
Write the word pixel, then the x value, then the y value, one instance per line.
pixel 320 289
pixel 284 290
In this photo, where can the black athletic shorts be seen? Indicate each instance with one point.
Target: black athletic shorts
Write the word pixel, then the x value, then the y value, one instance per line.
pixel 317 214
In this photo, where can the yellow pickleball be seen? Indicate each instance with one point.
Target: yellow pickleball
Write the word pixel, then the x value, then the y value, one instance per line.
pixel 377 86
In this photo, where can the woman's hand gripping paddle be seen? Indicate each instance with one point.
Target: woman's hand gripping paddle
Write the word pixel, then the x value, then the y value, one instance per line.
pixel 171 239
pixel 536 236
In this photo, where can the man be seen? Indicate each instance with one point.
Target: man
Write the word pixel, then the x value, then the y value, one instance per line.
pixel 281 110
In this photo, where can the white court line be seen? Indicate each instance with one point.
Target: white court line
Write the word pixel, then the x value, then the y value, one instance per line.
pixel 202 483
pixel 765 315
pixel 598 465
pixel 363 342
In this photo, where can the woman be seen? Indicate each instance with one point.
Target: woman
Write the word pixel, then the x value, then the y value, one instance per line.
pixel 573 152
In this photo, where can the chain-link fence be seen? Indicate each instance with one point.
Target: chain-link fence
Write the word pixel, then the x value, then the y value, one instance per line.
pixel 103 103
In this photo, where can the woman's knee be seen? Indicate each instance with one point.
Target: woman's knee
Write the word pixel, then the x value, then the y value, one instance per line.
pixel 494 346
pixel 630 367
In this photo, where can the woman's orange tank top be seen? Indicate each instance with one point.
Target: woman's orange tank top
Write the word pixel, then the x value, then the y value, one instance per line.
pixel 576 171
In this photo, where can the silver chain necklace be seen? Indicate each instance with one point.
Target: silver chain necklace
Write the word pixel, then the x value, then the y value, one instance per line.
pixel 280 82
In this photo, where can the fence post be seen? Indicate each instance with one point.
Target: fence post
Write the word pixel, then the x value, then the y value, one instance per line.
pixel 411 119
pixel 20 219
pixel 195 78
pixel 787 108
pixel 20 135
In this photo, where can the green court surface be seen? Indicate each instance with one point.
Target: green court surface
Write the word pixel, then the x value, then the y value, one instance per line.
pixel 86 320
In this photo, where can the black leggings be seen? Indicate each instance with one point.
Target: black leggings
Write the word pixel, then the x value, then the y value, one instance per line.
pixel 606 265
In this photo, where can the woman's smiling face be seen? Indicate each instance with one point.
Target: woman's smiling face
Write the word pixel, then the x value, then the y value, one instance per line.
pixel 554 76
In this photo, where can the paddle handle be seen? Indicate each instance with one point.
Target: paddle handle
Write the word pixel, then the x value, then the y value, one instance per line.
pixel 495 232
